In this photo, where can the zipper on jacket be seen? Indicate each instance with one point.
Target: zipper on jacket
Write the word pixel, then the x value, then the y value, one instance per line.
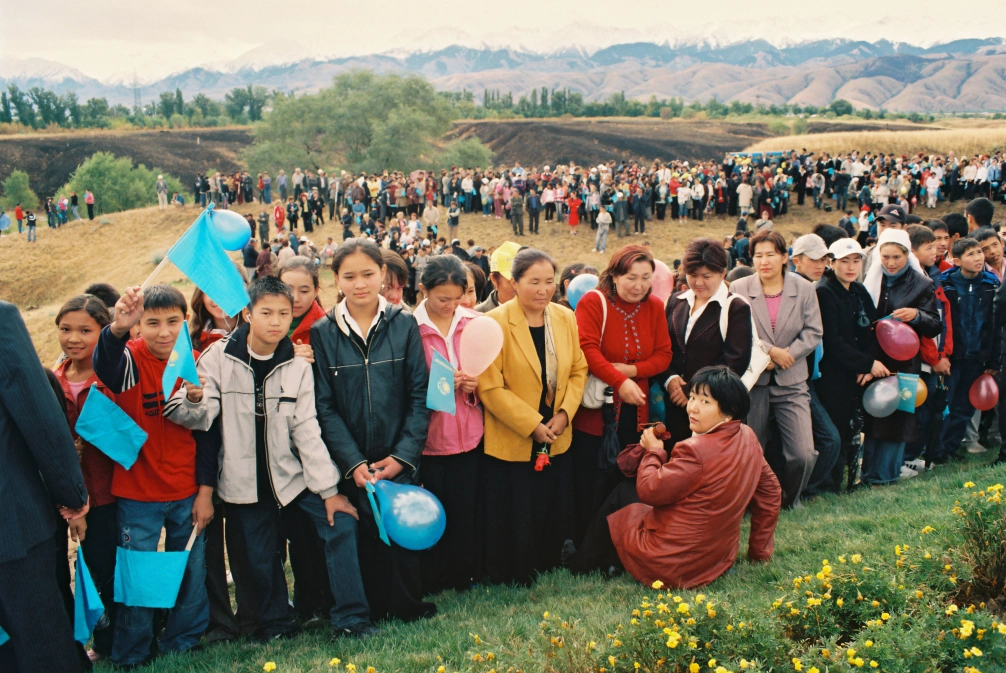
pixel 370 402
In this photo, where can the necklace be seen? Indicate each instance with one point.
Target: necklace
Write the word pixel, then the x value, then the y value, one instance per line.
pixel 773 296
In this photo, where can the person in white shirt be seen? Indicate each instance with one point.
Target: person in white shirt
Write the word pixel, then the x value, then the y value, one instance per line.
pixel 744 195
pixel 684 201
pixel 932 189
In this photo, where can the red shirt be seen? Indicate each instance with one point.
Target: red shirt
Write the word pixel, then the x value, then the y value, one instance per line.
pixel 634 334
pixel 96 466
pixel 574 210
pixel 165 470
pixel 303 331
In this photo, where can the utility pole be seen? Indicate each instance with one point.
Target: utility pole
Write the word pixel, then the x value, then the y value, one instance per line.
pixel 137 103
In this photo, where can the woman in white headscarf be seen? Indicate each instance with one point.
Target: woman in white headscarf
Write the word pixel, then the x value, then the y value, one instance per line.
pixel 902 291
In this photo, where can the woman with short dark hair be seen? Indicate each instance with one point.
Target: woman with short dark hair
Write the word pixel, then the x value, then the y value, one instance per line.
pixel 696 328
pixel 680 522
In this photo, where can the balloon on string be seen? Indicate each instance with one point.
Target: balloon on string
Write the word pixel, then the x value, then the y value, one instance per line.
pixel 412 516
pixel 984 393
pixel 578 287
pixel 232 228
pixel 921 393
pixel 663 281
pixel 898 340
pixel 481 342
pixel 882 397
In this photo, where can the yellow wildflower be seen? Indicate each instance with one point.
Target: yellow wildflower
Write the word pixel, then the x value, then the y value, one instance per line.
pixel 478 641
pixel 611 660
pixel 840 602
pixel 969 484
pixel 617 643
pixel 885 616
pixel 657 585
pixel 683 608
pixel 745 663
pixel 873 664
pixel 856 558
pixel 371 669
pixel 712 663
pixel 545 615
pixel 875 603
pixel 441 669
pixel 636 665
pixel 351 668
pixel 841 559
pixel 927 530
pixel 269 666
pixel 335 662
pixel 976 652
pixel 857 662
pixel 813 669
pixel 797 664
pixel 694 668
pixel 868 643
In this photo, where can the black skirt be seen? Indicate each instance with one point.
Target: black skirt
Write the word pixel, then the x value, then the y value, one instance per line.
pixel 452 562
pixel 527 515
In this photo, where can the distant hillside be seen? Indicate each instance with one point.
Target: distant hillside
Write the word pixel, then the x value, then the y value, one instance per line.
pixel 959 76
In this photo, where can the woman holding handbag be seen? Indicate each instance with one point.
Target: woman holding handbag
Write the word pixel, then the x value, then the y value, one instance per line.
pixel 694 321
pixel 623 335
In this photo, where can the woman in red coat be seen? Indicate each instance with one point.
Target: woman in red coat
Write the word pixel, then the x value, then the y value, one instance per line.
pixel 681 522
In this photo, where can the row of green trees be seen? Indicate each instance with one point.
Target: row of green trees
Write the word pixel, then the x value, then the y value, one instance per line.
pixel 39 108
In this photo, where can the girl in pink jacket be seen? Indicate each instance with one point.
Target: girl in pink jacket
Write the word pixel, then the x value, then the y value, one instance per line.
pixel 449 468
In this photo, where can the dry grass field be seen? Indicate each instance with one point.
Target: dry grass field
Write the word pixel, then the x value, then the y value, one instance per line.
pixel 964 140
pixel 121 249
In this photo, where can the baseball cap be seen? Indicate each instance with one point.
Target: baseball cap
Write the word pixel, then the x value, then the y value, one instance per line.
pixel 892 213
pixel 811 245
pixel 502 259
pixel 456 241
pixel 844 247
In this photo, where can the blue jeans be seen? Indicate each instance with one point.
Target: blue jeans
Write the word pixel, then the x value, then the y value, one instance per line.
pixel 51 218
pixel 963 373
pixel 827 443
pixel 20 226
pixel 76 215
pixel 817 197
pixel 267 194
pixel 140 526
pixel 32 235
pixel 882 461
pixel 841 198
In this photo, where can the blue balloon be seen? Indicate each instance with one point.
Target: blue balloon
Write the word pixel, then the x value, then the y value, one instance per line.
pixel 412 516
pixel 578 287
pixel 232 229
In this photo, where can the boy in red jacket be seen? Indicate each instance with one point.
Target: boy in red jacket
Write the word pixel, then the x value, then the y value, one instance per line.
pixel 159 491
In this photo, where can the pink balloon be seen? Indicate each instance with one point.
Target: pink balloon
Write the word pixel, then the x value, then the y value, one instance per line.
pixel 481 342
pixel 663 281
pixel 984 393
pixel 897 339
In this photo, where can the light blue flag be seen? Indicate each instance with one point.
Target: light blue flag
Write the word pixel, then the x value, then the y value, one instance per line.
pixel 908 387
pixel 106 426
pixel 87 606
pixel 440 391
pixel 148 579
pixel 3 636
pixel 200 255
pixel 180 365
pixel 4 222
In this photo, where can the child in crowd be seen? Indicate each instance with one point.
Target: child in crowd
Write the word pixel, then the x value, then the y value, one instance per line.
pixel 277 467
pixel 371 379
pixel 79 322
pixel 970 290
pixel 31 222
pixel 451 455
pixel 159 491
pixel 603 225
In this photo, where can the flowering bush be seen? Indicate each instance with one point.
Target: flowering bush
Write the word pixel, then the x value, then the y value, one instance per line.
pixel 983 524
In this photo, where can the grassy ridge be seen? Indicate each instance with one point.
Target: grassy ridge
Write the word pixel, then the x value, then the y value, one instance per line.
pixel 964 141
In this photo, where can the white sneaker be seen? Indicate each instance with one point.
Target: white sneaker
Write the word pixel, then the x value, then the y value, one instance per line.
pixel 907 472
pixel 975 447
pixel 919 464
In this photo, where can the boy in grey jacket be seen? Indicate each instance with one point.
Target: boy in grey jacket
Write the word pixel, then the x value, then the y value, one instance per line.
pixel 272 456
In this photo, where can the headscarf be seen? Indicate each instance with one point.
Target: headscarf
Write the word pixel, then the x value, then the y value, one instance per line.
pixel 875 276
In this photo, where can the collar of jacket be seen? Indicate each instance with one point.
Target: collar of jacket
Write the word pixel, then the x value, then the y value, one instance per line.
pixel 236 346
pixel 389 314
pixel 983 277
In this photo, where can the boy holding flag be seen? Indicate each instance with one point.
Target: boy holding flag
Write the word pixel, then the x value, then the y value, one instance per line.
pixel 159 490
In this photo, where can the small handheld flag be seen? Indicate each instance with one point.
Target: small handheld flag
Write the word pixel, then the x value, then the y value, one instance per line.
pixel 201 256
pixel 3 636
pixel 377 514
pixel 908 386
pixel 106 426
pixel 180 365
pixel 87 606
pixel 440 391
pixel 150 579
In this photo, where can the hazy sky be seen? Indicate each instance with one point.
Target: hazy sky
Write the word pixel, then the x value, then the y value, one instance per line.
pixel 106 38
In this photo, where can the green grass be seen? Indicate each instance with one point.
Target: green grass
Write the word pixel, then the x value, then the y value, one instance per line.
pixel 868 522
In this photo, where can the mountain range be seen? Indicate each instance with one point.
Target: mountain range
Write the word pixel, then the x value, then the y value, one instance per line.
pixel 959 76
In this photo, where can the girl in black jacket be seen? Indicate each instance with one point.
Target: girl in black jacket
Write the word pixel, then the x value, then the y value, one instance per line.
pixel 370 384
pixel 847 312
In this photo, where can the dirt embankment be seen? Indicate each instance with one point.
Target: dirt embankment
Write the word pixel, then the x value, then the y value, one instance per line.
pixel 50 160
pixel 590 141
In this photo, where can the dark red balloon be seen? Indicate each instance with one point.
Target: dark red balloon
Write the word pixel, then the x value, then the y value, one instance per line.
pixel 897 339
pixel 984 393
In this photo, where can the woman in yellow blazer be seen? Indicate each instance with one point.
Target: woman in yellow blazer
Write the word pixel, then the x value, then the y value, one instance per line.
pixel 530 394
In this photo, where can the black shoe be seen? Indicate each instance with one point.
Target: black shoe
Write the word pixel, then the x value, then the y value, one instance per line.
pixel 359 631
pixel 948 458
pixel 568 549
pixel 263 636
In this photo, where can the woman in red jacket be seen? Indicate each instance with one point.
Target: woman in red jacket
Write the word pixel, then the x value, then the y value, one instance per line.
pixel 680 522
pixel 623 334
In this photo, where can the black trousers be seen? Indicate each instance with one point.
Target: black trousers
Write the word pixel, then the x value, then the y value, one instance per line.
pixel 597 551
pixel 224 624
pixel 452 562
pixel 33 614
pixel 312 596
pixel 532 224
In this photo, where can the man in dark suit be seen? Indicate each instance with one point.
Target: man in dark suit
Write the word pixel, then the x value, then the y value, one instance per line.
pixel 532 204
pixel 39 473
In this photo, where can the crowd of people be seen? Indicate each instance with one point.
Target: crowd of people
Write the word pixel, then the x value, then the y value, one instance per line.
pixel 615 430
